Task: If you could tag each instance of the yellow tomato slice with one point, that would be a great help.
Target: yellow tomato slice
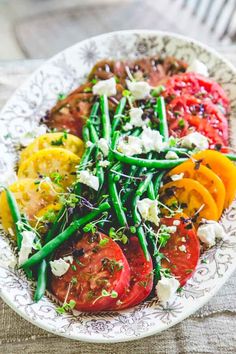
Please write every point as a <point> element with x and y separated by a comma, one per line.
<point>54,140</point>
<point>192,197</point>
<point>31,197</point>
<point>56,163</point>
<point>224,168</point>
<point>206,177</point>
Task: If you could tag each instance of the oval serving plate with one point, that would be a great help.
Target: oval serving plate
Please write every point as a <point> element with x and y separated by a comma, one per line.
<point>22,114</point>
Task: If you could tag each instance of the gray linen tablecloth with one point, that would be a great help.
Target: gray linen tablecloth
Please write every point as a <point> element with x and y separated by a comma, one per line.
<point>211,330</point>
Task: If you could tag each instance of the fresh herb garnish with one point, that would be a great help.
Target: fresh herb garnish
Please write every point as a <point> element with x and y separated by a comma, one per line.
<point>66,307</point>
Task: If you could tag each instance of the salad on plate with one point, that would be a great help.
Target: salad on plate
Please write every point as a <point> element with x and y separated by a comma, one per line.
<point>123,186</point>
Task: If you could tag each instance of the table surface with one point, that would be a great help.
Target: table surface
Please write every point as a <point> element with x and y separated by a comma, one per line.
<point>211,330</point>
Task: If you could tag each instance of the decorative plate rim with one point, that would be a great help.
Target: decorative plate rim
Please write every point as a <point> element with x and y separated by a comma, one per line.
<point>225,277</point>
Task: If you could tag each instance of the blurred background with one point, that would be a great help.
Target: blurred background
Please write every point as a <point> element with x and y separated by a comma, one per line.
<point>40,28</point>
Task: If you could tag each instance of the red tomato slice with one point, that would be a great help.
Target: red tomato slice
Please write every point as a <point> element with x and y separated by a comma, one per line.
<point>186,114</point>
<point>141,276</point>
<point>99,265</point>
<point>199,86</point>
<point>181,262</point>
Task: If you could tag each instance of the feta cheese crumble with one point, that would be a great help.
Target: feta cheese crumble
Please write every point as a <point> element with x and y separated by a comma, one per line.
<point>195,140</point>
<point>171,155</point>
<point>149,210</point>
<point>136,117</point>
<point>139,89</point>
<point>59,266</point>
<point>105,87</point>
<point>131,146</point>
<point>166,289</point>
<point>182,248</point>
<point>103,146</point>
<point>89,179</point>
<point>27,243</point>
<point>151,140</point>
<point>198,67</point>
<point>177,177</point>
<point>176,222</point>
<point>104,163</point>
<point>88,144</point>
<point>210,231</point>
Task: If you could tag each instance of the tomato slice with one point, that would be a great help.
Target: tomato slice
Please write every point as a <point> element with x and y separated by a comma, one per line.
<point>186,114</point>
<point>192,197</point>
<point>199,86</point>
<point>98,265</point>
<point>224,168</point>
<point>181,261</point>
<point>141,276</point>
<point>205,176</point>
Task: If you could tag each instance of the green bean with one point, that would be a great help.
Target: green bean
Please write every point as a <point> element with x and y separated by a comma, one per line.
<point>94,112</point>
<point>52,245</point>
<point>178,151</point>
<point>144,185</point>
<point>231,157</point>
<point>161,111</point>
<point>157,182</point>
<point>106,124</point>
<point>116,200</point>
<point>85,134</point>
<point>16,216</point>
<point>139,229</point>
<point>93,133</point>
<point>118,114</point>
<point>156,259</point>
<point>83,163</point>
<point>151,191</point>
<point>41,281</point>
<point>161,164</point>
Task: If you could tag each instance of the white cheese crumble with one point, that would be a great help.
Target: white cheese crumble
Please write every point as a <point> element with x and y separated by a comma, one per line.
<point>104,163</point>
<point>136,117</point>
<point>171,155</point>
<point>182,248</point>
<point>105,87</point>
<point>89,179</point>
<point>199,67</point>
<point>177,177</point>
<point>210,231</point>
<point>195,140</point>
<point>149,210</point>
<point>151,139</point>
<point>29,137</point>
<point>59,267</point>
<point>176,222</point>
<point>68,259</point>
<point>27,243</point>
<point>131,146</point>
<point>103,146</point>
<point>183,239</point>
<point>139,89</point>
<point>166,289</point>
<point>88,144</point>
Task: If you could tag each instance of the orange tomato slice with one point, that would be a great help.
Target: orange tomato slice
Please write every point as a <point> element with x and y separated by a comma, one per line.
<point>192,197</point>
<point>224,168</point>
<point>206,177</point>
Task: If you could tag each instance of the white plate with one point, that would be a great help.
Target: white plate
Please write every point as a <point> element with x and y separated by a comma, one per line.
<point>21,114</point>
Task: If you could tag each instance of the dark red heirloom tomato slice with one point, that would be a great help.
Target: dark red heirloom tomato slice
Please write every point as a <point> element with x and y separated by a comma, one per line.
<point>182,249</point>
<point>199,86</point>
<point>141,276</point>
<point>186,114</point>
<point>98,276</point>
